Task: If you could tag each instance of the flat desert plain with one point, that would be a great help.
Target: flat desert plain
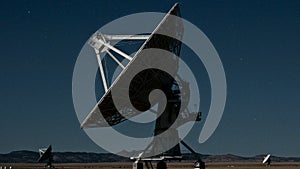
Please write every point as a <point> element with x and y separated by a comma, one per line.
<point>183,165</point>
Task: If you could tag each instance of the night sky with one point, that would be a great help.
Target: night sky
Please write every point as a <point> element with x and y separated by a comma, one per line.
<point>257,41</point>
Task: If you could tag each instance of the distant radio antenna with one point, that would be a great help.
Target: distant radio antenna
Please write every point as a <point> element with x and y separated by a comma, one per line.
<point>267,160</point>
<point>46,154</point>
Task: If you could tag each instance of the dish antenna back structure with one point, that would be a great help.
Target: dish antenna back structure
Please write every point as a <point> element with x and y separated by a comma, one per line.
<point>106,114</point>
<point>46,155</point>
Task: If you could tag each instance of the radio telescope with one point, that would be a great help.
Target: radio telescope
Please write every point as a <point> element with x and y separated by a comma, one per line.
<point>46,154</point>
<point>267,160</point>
<point>108,112</point>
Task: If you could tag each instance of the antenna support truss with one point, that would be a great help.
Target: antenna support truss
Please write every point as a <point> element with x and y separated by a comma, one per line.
<point>101,43</point>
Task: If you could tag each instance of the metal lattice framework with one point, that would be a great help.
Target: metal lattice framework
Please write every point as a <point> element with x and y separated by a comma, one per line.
<point>101,43</point>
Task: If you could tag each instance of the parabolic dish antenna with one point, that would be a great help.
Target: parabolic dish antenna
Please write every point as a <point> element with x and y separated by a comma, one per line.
<point>106,113</point>
<point>151,71</point>
<point>46,154</point>
<point>266,159</point>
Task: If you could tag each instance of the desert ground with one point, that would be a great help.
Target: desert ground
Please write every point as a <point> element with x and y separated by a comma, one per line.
<point>170,166</point>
